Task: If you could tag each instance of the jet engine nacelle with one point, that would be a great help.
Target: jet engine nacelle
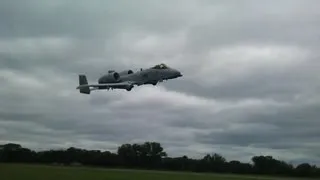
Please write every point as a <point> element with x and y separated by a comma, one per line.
<point>126,72</point>
<point>111,77</point>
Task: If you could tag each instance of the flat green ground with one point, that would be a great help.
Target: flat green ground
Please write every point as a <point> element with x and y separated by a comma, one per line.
<point>37,172</point>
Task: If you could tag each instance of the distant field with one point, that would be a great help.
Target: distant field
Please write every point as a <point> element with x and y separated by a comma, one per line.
<point>37,172</point>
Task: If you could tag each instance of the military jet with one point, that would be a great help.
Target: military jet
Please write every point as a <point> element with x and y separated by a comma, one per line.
<point>128,79</point>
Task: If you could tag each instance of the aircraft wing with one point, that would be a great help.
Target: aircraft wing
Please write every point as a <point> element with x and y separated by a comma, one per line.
<point>86,88</point>
<point>108,85</point>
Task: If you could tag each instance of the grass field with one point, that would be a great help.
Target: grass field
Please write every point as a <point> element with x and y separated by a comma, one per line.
<point>37,172</point>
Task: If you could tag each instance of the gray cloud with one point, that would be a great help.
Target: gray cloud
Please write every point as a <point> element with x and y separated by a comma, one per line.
<point>250,83</point>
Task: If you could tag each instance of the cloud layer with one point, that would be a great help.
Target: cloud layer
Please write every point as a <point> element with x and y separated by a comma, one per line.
<point>250,83</point>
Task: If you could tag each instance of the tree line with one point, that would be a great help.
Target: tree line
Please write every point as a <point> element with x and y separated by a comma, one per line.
<point>151,155</point>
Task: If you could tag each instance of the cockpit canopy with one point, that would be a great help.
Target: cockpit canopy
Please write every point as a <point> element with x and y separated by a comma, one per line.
<point>160,66</point>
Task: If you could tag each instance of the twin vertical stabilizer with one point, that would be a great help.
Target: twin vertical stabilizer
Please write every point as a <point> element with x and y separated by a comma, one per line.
<point>83,84</point>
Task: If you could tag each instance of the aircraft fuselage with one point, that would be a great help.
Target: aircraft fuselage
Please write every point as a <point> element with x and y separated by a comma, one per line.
<point>127,79</point>
<point>147,76</point>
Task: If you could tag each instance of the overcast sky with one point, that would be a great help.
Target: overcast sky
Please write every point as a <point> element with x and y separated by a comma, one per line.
<point>250,85</point>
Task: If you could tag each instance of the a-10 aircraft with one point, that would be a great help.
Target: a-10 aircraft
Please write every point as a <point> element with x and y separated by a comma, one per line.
<point>128,79</point>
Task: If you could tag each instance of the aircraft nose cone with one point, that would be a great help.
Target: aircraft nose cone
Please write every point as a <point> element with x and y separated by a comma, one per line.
<point>178,74</point>
<point>174,74</point>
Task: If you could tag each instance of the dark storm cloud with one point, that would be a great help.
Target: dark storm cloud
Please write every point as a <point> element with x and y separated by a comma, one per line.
<point>289,129</point>
<point>83,19</point>
<point>250,83</point>
<point>279,85</point>
<point>267,22</point>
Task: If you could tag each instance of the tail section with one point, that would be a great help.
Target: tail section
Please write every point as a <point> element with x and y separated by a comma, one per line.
<point>83,84</point>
